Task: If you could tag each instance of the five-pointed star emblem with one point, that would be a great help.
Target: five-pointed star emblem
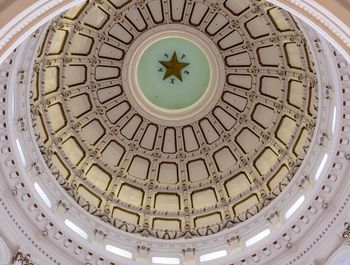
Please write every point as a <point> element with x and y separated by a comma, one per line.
<point>173,67</point>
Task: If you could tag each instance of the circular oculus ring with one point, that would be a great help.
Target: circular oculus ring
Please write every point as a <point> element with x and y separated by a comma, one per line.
<point>173,74</point>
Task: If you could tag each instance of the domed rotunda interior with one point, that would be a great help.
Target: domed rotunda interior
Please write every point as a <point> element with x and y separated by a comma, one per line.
<point>175,132</point>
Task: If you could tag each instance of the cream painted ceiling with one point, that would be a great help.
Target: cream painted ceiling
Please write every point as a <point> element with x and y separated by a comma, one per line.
<point>180,181</point>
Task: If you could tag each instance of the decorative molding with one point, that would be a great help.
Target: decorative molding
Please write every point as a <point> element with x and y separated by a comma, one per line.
<point>28,20</point>
<point>318,16</point>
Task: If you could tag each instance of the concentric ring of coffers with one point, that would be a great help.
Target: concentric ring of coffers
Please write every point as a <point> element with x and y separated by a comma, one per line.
<point>174,181</point>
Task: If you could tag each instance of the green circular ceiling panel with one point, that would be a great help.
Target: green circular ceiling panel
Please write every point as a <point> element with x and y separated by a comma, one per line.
<point>173,73</point>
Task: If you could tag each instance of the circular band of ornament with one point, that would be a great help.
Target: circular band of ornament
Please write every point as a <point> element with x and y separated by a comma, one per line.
<point>192,112</point>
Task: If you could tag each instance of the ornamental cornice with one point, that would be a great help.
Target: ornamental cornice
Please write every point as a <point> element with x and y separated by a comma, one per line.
<point>317,15</point>
<point>20,19</point>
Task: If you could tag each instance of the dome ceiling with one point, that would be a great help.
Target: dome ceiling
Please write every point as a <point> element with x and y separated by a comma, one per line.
<point>161,177</point>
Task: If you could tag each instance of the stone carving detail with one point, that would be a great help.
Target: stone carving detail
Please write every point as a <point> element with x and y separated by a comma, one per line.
<point>21,259</point>
<point>233,240</point>
<point>189,251</point>
<point>346,232</point>
<point>143,250</point>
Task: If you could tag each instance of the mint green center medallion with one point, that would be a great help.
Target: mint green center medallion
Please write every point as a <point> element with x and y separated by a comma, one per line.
<point>173,73</point>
